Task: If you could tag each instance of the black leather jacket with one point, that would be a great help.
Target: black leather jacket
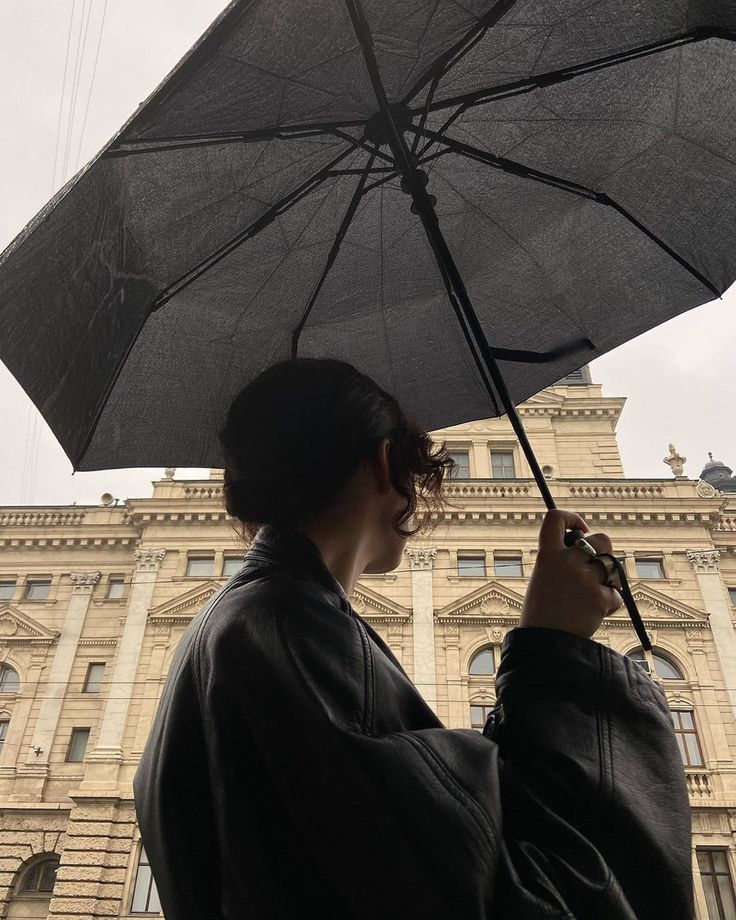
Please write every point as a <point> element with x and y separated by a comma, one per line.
<point>294,771</point>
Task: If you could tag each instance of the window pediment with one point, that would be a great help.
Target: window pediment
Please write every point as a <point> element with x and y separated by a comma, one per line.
<point>17,628</point>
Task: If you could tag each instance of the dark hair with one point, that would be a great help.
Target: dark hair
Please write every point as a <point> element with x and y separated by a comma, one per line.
<point>296,433</point>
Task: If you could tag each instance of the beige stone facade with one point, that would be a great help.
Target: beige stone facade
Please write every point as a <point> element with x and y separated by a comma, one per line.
<point>85,586</point>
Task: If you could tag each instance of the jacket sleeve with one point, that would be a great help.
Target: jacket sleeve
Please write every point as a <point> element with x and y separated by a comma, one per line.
<point>440,823</point>
<point>593,794</point>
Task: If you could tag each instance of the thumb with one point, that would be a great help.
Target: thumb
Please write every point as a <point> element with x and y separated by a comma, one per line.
<point>555,525</point>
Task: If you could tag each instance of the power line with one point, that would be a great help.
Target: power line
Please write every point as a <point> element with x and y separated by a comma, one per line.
<point>91,83</point>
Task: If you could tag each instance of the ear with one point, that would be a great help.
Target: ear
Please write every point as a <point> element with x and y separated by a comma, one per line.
<point>380,467</point>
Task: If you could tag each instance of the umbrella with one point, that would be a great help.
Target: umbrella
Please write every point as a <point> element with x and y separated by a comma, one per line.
<point>466,199</point>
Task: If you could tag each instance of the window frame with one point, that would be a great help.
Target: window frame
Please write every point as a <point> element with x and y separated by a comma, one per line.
<point>115,580</point>
<point>508,557</point>
<point>4,668</point>
<point>713,875</point>
<point>37,580</point>
<point>200,557</point>
<point>4,721</point>
<point>459,450</point>
<point>8,580</point>
<point>35,865</point>
<point>650,558</point>
<point>239,560</point>
<point>679,730</point>
<point>466,555</point>
<point>503,450</point>
<point>74,732</point>
<point>90,665</point>
<point>732,594</point>
<point>656,654</point>
<point>143,863</point>
<point>473,658</point>
<point>484,705</point>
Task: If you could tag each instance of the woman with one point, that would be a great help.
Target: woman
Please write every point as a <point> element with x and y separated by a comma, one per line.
<point>294,771</point>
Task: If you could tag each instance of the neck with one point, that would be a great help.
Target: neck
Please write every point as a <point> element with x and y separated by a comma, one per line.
<point>343,551</point>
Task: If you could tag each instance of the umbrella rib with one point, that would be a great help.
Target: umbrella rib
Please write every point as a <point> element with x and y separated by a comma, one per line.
<point>340,236</point>
<point>457,51</point>
<point>565,185</point>
<point>251,230</point>
<point>185,280</point>
<point>518,87</point>
<point>187,141</point>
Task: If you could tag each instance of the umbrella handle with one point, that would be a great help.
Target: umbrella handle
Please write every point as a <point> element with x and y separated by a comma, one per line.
<point>577,538</point>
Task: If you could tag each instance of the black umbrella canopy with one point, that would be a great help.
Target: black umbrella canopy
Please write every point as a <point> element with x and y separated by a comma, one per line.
<point>583,160</point>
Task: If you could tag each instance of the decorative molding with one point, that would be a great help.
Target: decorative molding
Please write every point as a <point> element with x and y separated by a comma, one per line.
<point>149,559</point>
<point>93,641</point>
<point>84,582</point>
<point>659,610</point>
<point>704,490</point>
<point>704,561</point>
<point>492,603</point>
<point>17,628</point>
<point>420,557</point>
<point>97,543</point>
<point>183,607</point>
<point>41,518</point>
<point>377,608</point>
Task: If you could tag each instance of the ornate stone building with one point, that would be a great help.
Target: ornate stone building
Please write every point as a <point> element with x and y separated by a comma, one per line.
<point>94,599</point>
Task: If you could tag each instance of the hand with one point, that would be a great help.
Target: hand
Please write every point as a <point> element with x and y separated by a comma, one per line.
<point>566,590</point>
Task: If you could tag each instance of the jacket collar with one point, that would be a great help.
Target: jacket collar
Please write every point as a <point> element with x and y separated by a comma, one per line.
<point>292,549</point>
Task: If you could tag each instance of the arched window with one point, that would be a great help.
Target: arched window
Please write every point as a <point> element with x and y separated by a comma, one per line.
<point>482,663</point>
<point>664,668</point>
<point>9,680</point>
<point>40,877</point>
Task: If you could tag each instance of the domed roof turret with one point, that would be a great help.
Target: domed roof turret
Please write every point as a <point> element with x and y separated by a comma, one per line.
<point>718,475</point>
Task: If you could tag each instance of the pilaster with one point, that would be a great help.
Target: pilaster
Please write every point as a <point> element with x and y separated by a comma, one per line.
<point>55,687</point>
<point>108,751</point>
<point>421,561</point>
<point>705,566</point>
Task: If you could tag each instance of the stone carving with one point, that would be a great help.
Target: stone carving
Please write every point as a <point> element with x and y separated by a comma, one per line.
<point>497,634</point>
<point>169,472</point>
<point>421,557</point>
<point>704,490</point>
<point>357,603</point>
<point>651,635</point>
<point>494,606</point>
<point>8,626</point>
<point>396,630</point>
<point>149,559</point>
<point>675,462</point>
<point>84,581</point>
<point>704,561</point>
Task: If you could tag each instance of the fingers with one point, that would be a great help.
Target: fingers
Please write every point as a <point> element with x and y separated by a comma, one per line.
<point>600,542</point>
<point>554,526</point>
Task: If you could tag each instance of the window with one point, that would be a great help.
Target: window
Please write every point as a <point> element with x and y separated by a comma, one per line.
<point>145,896</point>
<point>471,565</point>
<point>479,713</point>
<point>93,680</point>
<point>3,732</point>
<point>461,470</point>
<point>38,589</point>
<point>717,884</point>
<point>507,566</point>
<point>7,589</point>
<point>502,464</point>
<point>200,565</point>
<point>115,586</point>
<point>41,876</point>
<point>732,595</point>
<point>664,668</point>
<point>649,568</point>
<point>9,680</point>
<point>77,745</point>
<point>231,565</point>
<point>687,737</point>
<point>482,663</point>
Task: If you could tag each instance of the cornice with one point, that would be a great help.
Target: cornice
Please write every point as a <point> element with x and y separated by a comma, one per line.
<point>67,542</point>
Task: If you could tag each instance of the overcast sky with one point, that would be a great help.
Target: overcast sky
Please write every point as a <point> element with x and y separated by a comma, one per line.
<point>679,378</point>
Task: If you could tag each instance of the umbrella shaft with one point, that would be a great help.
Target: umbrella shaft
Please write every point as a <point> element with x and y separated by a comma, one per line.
<point>453,280</point>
